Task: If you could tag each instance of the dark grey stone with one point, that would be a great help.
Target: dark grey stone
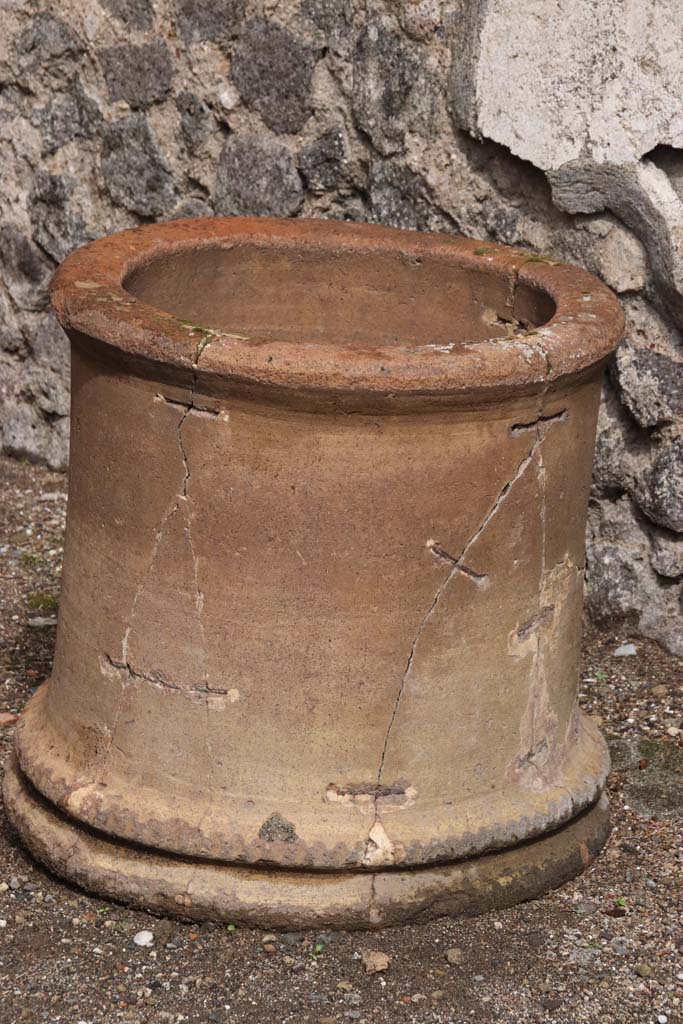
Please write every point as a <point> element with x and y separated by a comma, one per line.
<point>140,75</point>
<point>650,384</point>
<point>660,495</point>
<point>138,13</point>
<point>46,40</point>
<point>322,161</point>
<point>399,198</point>
<point>385,69</point>
<point>195,119</point>
<point>70,115</point>
<point>135,172</point>
<point>214,20</point>
<point>334,17</point>
<point>57,228</point>
<point>26,271</point>
<point>257,176</point>
<point>272,71</point>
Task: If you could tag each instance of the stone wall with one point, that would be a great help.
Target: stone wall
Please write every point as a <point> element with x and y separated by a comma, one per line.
<point>548,124</point>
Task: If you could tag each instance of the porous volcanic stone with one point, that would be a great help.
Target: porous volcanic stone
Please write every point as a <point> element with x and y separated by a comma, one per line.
<point>272,71</point>
<point>138,13</point>
<point>322,162</point>
<point>140,75</point>
<point>46,41</point>
<point>214,20</point>
<point>135,172</point>
<point>257,176</point>
<point>70,115</point>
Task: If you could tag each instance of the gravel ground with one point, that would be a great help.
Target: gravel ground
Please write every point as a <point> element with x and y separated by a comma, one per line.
<point>607,948</point>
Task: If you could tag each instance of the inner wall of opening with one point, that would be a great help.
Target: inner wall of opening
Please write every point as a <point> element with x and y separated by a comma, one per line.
<point>356,299</point>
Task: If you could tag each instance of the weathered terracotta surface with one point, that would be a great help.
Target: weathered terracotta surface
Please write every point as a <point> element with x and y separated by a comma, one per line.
<point>323,574</point>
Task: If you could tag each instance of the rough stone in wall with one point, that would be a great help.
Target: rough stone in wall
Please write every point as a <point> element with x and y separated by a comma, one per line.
<point>138,75</point>
<point>134,171</point>
<point>272,72</point>
<point>322,161</point>
<point>560,135</point>
<point>257,176</point>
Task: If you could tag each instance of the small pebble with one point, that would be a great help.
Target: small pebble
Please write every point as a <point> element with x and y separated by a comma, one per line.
<point>375,960</point>
<point>143,938</point>
<point>454,955</point>
<point>551,1003</point>
<point>625,651</point>
<point>163,932</point>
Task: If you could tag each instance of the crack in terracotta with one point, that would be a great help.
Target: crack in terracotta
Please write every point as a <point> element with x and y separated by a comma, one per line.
<point>194,409</point>
<point>481,579</point>
<point>157,679</point>
<point>540,421</point>
<point>124,663</point>
<point>541,426</point>
<point>531,638</point>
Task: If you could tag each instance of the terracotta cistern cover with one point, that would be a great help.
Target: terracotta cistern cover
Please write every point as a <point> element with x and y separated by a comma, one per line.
<point>317,653</point>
